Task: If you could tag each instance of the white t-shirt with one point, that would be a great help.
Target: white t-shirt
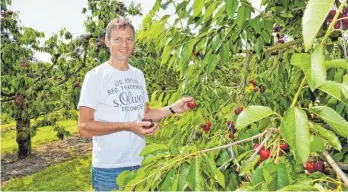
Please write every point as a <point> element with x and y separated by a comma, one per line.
<point>116,96</point>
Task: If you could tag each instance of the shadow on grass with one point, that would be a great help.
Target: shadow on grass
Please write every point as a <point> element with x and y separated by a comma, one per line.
<point>73,175</point>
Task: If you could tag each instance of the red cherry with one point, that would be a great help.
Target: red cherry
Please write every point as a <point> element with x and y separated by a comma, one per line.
<point>256,89</point>
<point>337,25</point>
<point>310,167</point>
<point>345,10</point>
<point>191,104</point>
<point>208,124</point>
<point>284,147</point>
<point>238,110</point>
<point>329,20</point>
<point>281,41</point>
<point>264,154</point>
<point>332,13</point>
<point>262,89</point>
<point>148,127</point>
<point>231,136</point>
<point>345,21</point>
<point>319,166</point>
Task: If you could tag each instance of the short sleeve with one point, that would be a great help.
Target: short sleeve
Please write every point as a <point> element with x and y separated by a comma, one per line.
<point>90,91</point>
<point>146,97</point>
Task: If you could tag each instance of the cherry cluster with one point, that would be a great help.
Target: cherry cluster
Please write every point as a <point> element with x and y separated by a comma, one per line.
<point>148,127</point>
<point>312,167</point>
<point>206,127</point>
<point>232,129</point>
<point>343,15</point>
<point>256,87</point>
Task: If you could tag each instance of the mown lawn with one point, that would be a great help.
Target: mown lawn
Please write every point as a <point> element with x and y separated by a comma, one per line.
<point>43,135</point>
<point>73,175</point>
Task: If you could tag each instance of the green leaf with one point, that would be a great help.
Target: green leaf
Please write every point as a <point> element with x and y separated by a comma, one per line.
<point>345,86</point>
<point>224,52</point>
<point>123,178</point>
<point>197,7</point>
<point>184,170</point>
<point>194,178</point>
<point>294,129</point>
<point>283,176</point>
<point>248,165</point>
<point>338,63</point>
<point>328,135</point>
<point>168,180</point>
<point>313,67</point>
<point>314,16</point>
<point>298,187</point>
<point>242,15</point>
<point>317,144</point>
<point>257,177</point>
<point>252,114</point>
<point>270,173</point>
<point>210,10</point>
<point>231,7</point>
<point>332,118</point>
<point>213,171</point>
<point>212,62</point>
<point>154,147</point>
<point>334,89</point>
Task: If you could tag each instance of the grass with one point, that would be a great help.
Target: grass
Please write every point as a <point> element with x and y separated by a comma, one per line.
<point>43,135</point>
<point>73,175</point>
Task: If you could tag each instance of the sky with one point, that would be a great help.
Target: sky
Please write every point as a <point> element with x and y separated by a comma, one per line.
<point>49,16</point>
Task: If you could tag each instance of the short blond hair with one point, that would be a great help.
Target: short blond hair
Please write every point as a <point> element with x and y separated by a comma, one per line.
<point>118,23</point>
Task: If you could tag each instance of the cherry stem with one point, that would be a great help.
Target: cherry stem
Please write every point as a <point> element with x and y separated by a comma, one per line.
<point>298,93</point>
<point>268,136</point>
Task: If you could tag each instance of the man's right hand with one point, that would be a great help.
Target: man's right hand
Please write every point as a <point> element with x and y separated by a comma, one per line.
<point>139,128</point>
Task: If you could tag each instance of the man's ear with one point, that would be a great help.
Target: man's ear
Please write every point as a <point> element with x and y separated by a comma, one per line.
<point>107,41</point>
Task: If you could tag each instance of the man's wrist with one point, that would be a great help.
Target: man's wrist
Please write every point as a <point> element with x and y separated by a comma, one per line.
<point>171,109</point>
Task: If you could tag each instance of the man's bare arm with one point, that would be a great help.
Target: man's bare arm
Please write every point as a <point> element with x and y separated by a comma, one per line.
<point>88,127</point>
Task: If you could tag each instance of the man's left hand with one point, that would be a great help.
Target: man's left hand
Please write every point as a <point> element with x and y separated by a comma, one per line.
<point>182,105</point>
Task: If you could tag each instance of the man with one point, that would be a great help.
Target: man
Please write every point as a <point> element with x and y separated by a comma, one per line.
<point>112,104</point>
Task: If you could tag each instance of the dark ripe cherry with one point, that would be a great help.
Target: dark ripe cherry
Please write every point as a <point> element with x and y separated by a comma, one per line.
<point>319,166</point>
<point>148,127</point>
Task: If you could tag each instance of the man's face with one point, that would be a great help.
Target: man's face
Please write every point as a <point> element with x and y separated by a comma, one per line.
<point>121,43</point>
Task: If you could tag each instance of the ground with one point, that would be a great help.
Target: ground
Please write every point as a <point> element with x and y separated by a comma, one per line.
<point>44,156</point>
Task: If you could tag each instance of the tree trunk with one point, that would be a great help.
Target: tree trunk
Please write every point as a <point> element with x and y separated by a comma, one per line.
<point>23,133</point>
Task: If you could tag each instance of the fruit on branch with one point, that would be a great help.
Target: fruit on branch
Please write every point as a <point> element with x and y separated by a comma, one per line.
<point>281,41</point>
<point>264,154</point>
<point>310,167</point>
<point>284,147</point>
<point>256,89</point>
<point>77,84</point>
<point>337,25</point>
<point>19,100</point>
<point>276,28</point>
<point>319,166</point>
<point>238,110</point>
<point>253,82</point>
<point>332,13</point>
<point>148,127</point>
<point>206,127</point>
<point>231,136</point>
<point>262,89</point>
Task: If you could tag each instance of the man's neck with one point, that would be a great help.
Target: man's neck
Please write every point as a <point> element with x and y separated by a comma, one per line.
<point>120,65</point>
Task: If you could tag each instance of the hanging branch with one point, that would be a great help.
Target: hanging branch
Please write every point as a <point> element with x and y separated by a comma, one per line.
<point>336,168</point>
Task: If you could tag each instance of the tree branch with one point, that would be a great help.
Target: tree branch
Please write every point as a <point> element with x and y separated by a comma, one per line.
<point>336,168</point>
